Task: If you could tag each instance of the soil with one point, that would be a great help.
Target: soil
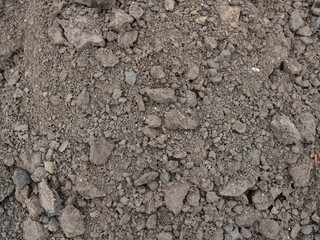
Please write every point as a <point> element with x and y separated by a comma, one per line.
<point>159,119</point>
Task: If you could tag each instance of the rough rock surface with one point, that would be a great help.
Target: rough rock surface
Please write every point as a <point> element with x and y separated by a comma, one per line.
<point>175,120</point>
<point>71,221</point>
<point>174,197</point>
<point>100,151</point>
<point>285,130</point>
<point>49,199</point>
<point>33,230</point>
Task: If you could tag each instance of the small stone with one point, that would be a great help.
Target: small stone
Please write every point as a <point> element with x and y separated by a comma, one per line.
<point>125,219</point>
<point>130,77</point>
<point>210,43</point>
<point>307,126</point>
<point>101,151</point>
<point>165,177</point>
<point>153,121</point>
<point>136,11</point>
<point>305,31</point>
<point>255,156</point>
<point>191,99</point>
<point>88,190</point>
<point>39,174</point>
<point>162,95</point>
<point>295,21</point>
<point>53,225</point>
<point>246,233</point>
<point>248,218</point>
<point>192,73</point>
<point>6,192</point>
<point>151,222</point>
<point>300,174</point>
<point>284,130</point>
<point>157,72</point>
<point>228,14</point>
<point>307,229</point>
<point>146,178</point>
<point>49,199</point>
<point>33,230</point>
<point>71,221</point>
<point>49,167</point>
<point>117,93</point>
<point>315,9</point>
<point>63,146</point>
<point>164,236</point>
<point>193,197</point>
<point>127,39</point>
<point>106,57</point>
<point>169,5</point>
<point>120,20</point>
<point>21,178</point>
<point>201,20</point>
<point>174,197</point>
<point>175,120</point>
<point>105,4</point>
<point>237,188</point>
<point>34,208</point>
<point>239,127</point>
<point>12,77</point>
<point>292,66</point>
<point>22,195</point>
<point>55,33</point>
<point>212,197</point>
<point>83,98</point>
<point>269,228</point>
<point>262,200</point>
<point>295,230</point>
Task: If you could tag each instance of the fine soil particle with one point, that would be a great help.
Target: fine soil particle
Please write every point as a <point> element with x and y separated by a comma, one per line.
<point>169,119</point>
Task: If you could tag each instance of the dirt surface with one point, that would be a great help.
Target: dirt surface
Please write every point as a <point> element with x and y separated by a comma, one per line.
<point>159,119</point>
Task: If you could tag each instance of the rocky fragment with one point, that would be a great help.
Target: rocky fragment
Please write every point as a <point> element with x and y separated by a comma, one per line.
<point>161,95</point>
<point>135,10</point>
<point>130,77</point>
<point>239,127</point>
<point>292,66</point>
<point>6,192</point>
<point>237,188</point>
<point>146,178</point>
<point>106,57</point>
<point>175,195</point>
<point>295,21</point>
<point>120,20</point>
<point>21,178</point>
<point>71,221</point>
<point>191,99</point>
<point>153,121</point>
<point>33,230</point>
<point>127,39</point>
<point>315,9</point>
<point>228,14</point>
<point>193,197</point>
<point>100,151</point>
<point>269,228</point>
<point>87,189</point>
<point>49,199</point>
<point>300,174</point>
<point>175,120</point>
<point>210,43</point>
<point>157,72</point>
<point>248,217</point>
<point>12,76</point>
<point>34,208</point>
<point>83,98</point>
<point>285,130</point>
<point>151,222</point>
<point>104,4</point>
<point>169,5</point>
<point>164,236</point>
<point>307,126</point>
<point>192,73</point>
<point>262,200</point>
<point>55,33</point>
<point>125,219</point>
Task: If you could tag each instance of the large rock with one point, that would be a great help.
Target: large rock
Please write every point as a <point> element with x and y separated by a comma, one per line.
<point>49,199</point>
<point>307,126</point>
<point>285,130</point>
<point>162,95</point>
<point>174,197</point>
<point>33,230</point>
<point>175,120</point>
<point>71,221</point>
<point>87,189</point>
<point>100,151</point>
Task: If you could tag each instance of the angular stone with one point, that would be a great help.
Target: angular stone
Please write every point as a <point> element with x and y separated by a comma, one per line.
<point>284,130</point>
<point>106,57</point>
<point>55,33</point>
<point>71,221</point>
<point>300,174</point>
<point>239,127</point>
<point>175,195</point>
<point>87,189</point>
<point>125,219</point>
<point>192,73</point>
<point>175,120</point>
<point>136,11</point>
<point>228,14</point>
<point>307,126</point>
<point>193,197</point>
<point>105,4</point>
<point>237,188</point>
<point>49,199</point>
<point>33,230</point>
<point>295,21</point>
<point>210,43</point>
<point>191,99</point>
<point>153,121</point>
<point>146,178</point>
<point>101,151</point>
<point>6,192</point>
<point>164,236</point>
<point>162,95</point>
<point>127,39</point>
<point>292,66</point>
<point>157,72</point>
<point>120,20</point>
<point>130,77</point>
<point>169,5</point>
<point>248,217</point>
<point>21,178</point>
<point>269,228</point>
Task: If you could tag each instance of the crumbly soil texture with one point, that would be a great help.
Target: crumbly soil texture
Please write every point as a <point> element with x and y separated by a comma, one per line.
<point>159,119</point>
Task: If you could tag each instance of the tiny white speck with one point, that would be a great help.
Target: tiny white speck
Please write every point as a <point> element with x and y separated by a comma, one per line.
<point>255,69</point>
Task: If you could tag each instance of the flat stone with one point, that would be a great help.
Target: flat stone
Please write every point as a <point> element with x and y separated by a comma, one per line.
<point>164,236</point>
<point>269,228</point>
<point>71,221</point>
<point>87,189</point>
<point>21,178</point>
<point>49,199</point>
<point>130,77</point>
<point>300,174</point>
<point>174,197</point>
<point>55,33</point>
<point>175,120</point>
<point>146,178</point>
<point>34,208</point>
<point>101,151</point>
<point>106,58</point>
<point>285,130</point>
<point>153,121</point>
<point>33,230</point>
<point>162,95</point>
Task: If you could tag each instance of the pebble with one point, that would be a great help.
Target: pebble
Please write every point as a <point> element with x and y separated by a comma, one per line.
<point>300,174</point>
<point>38,174</point>
<point>151,222</point>
<point>125,219</point>
<point>49,199</point>
<point>21,178</point>
<point>34,208</point>
<point>269,228</point>
<point>100,151</point>
<point>169,5</point>
<point>307,127</point>
<point>295,21</point>
<point>193,197</point>
<point>71,221</point>
<point>210,43</point>
<point>135,10</point>
<point>228,14</point>
<point>146,178</point>
<point>161,95</point>
<point>165,177</point>
<point>174,197</point>
<point>130,77</point>
<point>6,192</point>
<point>175,120</point>
<point>53,225</point>
<point>127,39</point>
<point>88,190</point>
<point>192,73</point>
<point>106,57</point>
<point>315,9</point>
<point>117,93</point>
<point>164,236</point>
<point>33,230</point>
<point>55,33</point>
<point>285,130</point>
<point>212,197</point>
<point>105,4</point>
<point>292,66</point>
<point>201,20</point>
<point>239,127</point>
<point>237,188</point>
<point>120,20</point>
<point>153,121</point>
<point>157,72</point>
<point>191,99</point>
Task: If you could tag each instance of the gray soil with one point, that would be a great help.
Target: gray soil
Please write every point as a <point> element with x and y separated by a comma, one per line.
<point>159,120</point>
